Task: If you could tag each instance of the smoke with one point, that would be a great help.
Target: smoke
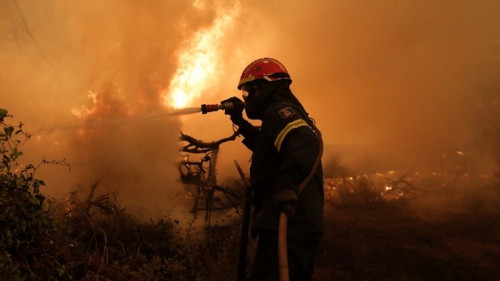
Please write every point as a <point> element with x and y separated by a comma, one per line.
<point>390,83</point>
<point>82,77</point>
<point>408,80</point>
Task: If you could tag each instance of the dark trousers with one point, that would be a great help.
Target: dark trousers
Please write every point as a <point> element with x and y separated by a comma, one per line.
<point>301,254</point>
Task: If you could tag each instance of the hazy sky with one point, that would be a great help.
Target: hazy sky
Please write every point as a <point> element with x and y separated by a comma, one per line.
<point>414,78</point>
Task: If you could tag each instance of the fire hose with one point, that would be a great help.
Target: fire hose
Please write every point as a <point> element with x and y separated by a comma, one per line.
<point>283,219</point>
<point>282,225</point>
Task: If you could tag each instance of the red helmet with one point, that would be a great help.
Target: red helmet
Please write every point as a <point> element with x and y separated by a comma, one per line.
<point>264,68</point>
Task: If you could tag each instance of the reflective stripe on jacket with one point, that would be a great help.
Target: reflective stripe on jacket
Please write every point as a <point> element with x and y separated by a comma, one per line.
<point>284,151</point>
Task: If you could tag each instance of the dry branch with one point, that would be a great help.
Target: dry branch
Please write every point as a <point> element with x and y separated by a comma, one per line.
<point>198,146</point>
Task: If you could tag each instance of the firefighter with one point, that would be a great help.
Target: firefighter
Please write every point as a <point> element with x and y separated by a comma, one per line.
<point>285,148</point>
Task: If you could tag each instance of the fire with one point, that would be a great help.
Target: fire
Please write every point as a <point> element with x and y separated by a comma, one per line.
<point>84,111</point>
<point>199,60</point>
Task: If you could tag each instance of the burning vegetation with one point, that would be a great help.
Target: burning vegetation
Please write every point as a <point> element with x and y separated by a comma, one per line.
<point>379,226</point>
<point>107,85</point>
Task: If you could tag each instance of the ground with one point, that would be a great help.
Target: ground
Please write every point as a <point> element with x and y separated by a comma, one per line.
<point>390,241</point>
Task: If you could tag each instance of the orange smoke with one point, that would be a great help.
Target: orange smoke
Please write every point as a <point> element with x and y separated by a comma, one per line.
<point>407,81</point>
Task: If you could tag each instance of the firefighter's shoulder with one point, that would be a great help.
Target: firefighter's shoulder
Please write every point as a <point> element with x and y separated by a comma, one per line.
<point>282,112</point>
<point>280,119</point>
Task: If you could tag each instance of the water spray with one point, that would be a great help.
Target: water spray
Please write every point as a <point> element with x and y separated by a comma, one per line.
<point>205,108</point>
<point>120,120</point>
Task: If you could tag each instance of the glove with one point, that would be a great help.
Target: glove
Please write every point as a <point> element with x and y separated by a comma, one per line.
<point>234,108</point>
<point>288,201</point>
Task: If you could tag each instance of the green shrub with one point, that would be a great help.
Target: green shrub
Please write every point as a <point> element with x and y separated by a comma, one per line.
<point>27,248</point>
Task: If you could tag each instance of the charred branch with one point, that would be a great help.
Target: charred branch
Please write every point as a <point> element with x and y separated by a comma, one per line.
<point>402,184</point>
<point>198,146</point>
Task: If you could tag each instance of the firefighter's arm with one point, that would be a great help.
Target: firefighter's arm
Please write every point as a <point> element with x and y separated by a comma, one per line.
<point>246,129</point>
<point>249,132</point>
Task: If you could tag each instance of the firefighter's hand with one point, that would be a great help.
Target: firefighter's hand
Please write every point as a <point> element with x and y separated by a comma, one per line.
<point>234,108</point>
<point>288,201</point>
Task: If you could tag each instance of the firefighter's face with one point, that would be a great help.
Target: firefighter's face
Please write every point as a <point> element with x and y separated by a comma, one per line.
<point>252,95</point>
<point>247,90</point>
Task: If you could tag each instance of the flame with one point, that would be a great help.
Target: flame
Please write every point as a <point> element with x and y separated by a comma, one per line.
<point>199,60</point>
<point>84,111</point>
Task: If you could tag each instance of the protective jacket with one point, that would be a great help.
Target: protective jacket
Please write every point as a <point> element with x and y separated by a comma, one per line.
<point>284,148</point>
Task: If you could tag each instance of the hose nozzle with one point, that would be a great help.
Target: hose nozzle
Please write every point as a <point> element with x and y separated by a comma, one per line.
<point>205,108</point>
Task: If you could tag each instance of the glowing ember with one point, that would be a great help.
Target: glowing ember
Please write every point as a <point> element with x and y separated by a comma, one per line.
<point>197,63</point>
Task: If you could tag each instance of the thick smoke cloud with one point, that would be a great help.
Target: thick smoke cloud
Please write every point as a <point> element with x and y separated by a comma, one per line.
<point>390,83</point>
<point>81,76</point>
<point>409,79</point>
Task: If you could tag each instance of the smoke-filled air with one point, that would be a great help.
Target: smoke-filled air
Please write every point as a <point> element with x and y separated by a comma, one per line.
<point>107,85</point>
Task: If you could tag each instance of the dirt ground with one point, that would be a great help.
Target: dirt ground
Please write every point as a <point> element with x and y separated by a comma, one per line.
<point>390,241</point>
